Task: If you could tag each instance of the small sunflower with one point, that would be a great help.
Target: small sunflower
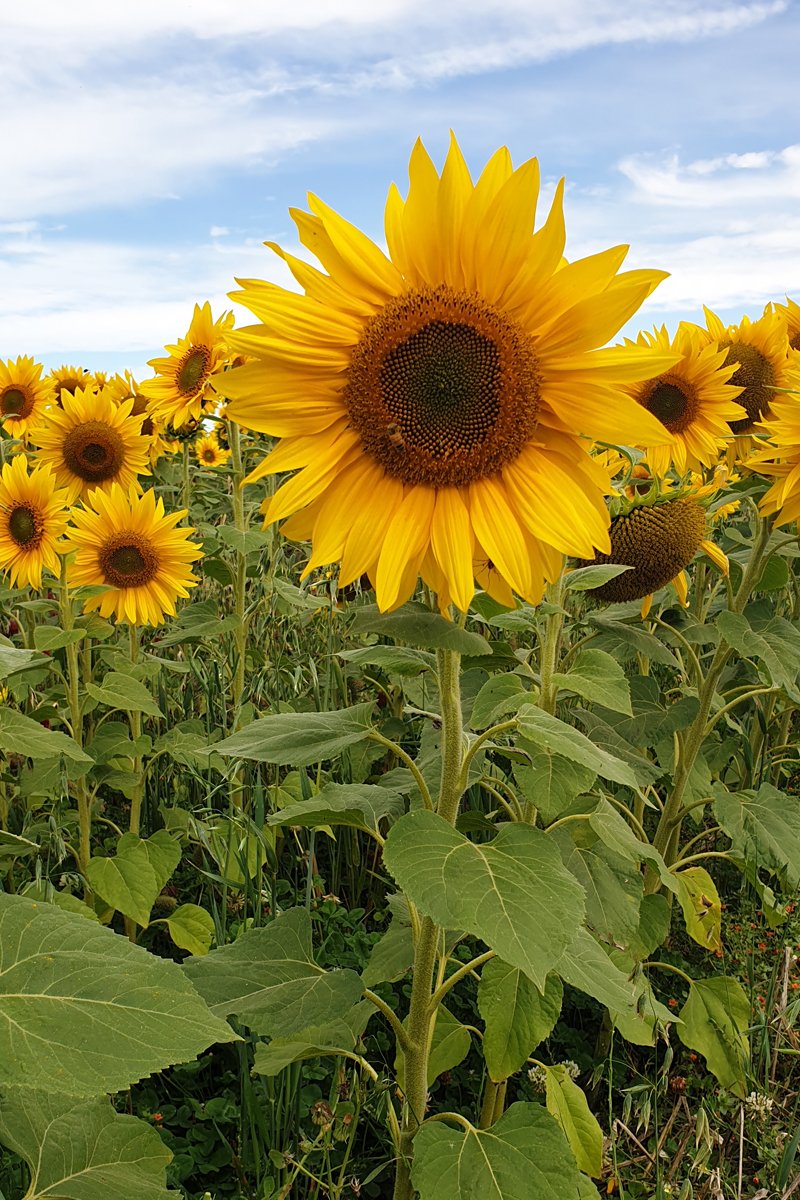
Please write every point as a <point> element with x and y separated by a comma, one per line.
<point>24,395</point>
<point>70,379</point>
<point>760,349</point>
<point>33,517</point>
<point>130,546</point>
<point>693,400</point>
<point>779,457</point>
<point>91,441</point>
<point>791,314</point>
<point>126,388</point>
<point>436,400</point>
<point>657,536</point>
<point>209,452</point>
<point>184,381</point>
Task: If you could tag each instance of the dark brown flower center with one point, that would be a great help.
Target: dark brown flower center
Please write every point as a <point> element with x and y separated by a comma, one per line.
<point>94,451</point>
<point>15,402</point>
<point>26,526</point>
<point>209,455</point>
<point>192,372</point>
<point>756,375</point>
<point>672,401</point>
<point>658,541</point>
<point>128,560</point>
<point>442,388</point>
<point>794,340</point>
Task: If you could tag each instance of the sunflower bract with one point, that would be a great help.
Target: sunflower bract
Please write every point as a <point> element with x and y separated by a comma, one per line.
<point>438,403</point>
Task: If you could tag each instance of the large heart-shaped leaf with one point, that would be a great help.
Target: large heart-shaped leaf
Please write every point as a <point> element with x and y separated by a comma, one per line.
<point>516,1014</point>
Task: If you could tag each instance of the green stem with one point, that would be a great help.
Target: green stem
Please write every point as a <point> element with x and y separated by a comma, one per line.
<point>240,575</point>
<point>186,487</point>
<point>550,646</point>
<point>135,721</point>
<point>76,723</point>
<point>421,1020</point>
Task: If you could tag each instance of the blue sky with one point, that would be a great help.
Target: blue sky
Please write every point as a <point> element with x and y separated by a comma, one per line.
<point>150,148</point>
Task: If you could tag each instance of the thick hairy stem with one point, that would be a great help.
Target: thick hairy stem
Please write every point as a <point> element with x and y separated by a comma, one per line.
<point>421,1017</point>
<point>76,722</point>
<point>551,643</point>
<point>240,576</point>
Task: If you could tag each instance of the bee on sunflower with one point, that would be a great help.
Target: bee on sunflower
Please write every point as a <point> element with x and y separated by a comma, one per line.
<point>438,403</point>
<point>184,381</point>
<point>24,395</point>
<point>657,533</point>
<point>128,545</point>
<point>33,516</point>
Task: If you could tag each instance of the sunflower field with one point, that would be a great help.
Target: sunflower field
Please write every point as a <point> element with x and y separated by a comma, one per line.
<point>400,773</point>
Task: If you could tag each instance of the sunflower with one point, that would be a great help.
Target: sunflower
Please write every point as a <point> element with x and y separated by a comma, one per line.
<point>693,400</point>
<point>69,379</point>
<point>209,452</point>
<point>434,400</point>
<point>24,395</point>
<point>91,441</point>
<point>657,536</point>
<point>130,546</point>
<point>126,388</point>
<point>760,349</point>
<point>780,457</point>
<point>33,517</point>
<point>185,380</point>
<point>791,314</point>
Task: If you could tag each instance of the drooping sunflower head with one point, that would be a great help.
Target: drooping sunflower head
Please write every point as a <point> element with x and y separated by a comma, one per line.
<point>70,379</point>
<point>24,395</point>
<point>33,517</point>
<point>693,400</point>
<point>93,441</point>
<point>131,547</point>
<point>184,381</point>
<point>209,452</point>
<point>439,402</point>
<point>759,349</point>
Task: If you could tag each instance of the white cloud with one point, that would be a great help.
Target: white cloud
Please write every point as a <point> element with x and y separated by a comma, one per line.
<point>764,177</point>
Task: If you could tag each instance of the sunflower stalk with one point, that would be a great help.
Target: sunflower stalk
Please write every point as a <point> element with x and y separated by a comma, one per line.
<point>240,575</point>
<point>421,1019</point>
<point>550,645</point>
<point>67,615</point>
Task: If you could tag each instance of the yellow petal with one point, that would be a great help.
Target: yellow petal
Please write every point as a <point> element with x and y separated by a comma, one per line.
<point>405,544</point>
<point>497,529</point>
<point>452,543</point>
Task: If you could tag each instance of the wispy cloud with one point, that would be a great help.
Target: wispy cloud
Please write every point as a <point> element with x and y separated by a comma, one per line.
<point>766,177</point>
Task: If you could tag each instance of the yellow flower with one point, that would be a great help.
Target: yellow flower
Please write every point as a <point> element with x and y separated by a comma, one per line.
<point>32,519</point>
<point>130,546</point>
<point>780,457</point>
<point>209,452</point>
<point>126,388</point>
<point>791,314</point>
<point>760,349</point>
<point>91,441</point>
<point>185,380</point>
<point>434,401</point>
<point>24,395</point>
<point>693,400</point>
<point>69,379</point>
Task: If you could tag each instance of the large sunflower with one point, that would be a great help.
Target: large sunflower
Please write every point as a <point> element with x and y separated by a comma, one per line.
<point>693,400</point>
<point>92,441</point>
<point>760,349</point>
<point>184,381</point>
<point>433,400</point>
<point>130,546</point>
<point>32,519</point>
<point>24,395</point>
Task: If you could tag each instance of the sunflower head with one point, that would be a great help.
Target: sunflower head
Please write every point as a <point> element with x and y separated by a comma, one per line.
<point>791,314</point>
<point>439,402</point>
<point>70,379</point>
<point>209,452</point>
<point>32,519</point>
<point>24,395</point>
<point>130,547</point>
<point>759,350</point>
<point>184,381</point>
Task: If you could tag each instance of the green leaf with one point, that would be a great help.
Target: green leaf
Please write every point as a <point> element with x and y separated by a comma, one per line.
<point>243,541</point>
<point>567,1103</point>
<point>598,678</point>
<point>499,696</point>
<point>12,660</point>
<point>514,892</point>
<point>614,830</point>
<point>450,1045</point>
<point>194,622</point>
<point>585,579</point>
<point>337,1037</point>
<point>121,1015</point>
<point>775,575</point>
<point>50,637</point>
<point>21,735</point>
<point>523,1155</point>
<point>239,848</point>
<point>702,910</point>
<point>551,782</point>
<point>556,737</point>
<point>586,966</point>
<point>613,885</point>
<point>299,739</point>
<point>624,641</point>
<point>123,692</point>
<point>739,633</point>
<point>715,1018</point>
<point>517,1016</point>
<point>131,880</point>
<point>606,738</point>
<point>362,805</point>
<point>82,1149</point>
<point>268,979</point>
<point>391,957</point>
<point>765,827</point>
<point>191,928</point>
<point>416,625</point>
<point>394,660</point>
